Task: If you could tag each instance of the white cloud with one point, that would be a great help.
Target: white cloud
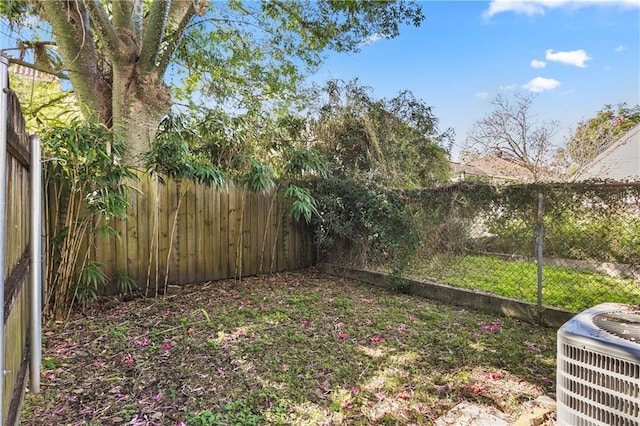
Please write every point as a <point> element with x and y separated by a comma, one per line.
<point>540,7</point>
<point>371,39</point>
<point>508,87</point>
<point>620,48</point>
<point>524,7</point>
<point>538,64</point>
<point>482,95</point>
<point>540,84</point>
<point>577,58</point>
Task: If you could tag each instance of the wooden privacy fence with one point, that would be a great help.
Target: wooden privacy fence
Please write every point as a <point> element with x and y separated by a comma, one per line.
<point>16,259</point>
<point>195,233</point>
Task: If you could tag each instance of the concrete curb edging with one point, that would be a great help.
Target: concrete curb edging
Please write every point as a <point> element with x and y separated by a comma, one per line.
<point>550,317</point>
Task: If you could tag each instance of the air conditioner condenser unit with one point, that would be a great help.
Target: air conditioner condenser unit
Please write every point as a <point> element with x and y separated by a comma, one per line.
<point>598,367</point>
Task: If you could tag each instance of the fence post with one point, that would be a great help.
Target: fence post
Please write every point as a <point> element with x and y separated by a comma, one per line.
<point>4,86</point>
<point>36,264</point>
<point>539,246</point>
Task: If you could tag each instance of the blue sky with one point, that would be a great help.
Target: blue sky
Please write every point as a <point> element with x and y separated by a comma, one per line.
<point>576,56</point>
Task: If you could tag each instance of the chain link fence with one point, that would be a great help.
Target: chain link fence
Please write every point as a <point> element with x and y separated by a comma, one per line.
<point>567,246</point>
<point>561,245</point>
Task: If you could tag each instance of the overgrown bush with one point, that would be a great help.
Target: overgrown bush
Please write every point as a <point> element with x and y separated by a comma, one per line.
<point>443,218</point>
<point>363,224</point>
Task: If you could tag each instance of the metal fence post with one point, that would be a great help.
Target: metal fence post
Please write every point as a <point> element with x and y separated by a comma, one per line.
<point>36,264</point>
<point>539,247</point>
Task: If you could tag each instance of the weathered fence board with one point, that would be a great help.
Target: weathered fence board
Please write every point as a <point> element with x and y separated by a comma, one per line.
<point>16,285</point>
<point>196,233</point>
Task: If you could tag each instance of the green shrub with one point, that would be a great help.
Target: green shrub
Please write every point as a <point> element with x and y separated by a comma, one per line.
<point>363,223</point>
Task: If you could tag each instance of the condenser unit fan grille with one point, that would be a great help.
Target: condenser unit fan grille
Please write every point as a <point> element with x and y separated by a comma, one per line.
<point>598,376</point>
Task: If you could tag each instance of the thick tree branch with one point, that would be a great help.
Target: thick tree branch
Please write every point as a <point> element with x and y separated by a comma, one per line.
<point>109,39</point>
<point>70,24</point>
<point>128,14</point>
<point>153,34</point>
<point>180,13</point>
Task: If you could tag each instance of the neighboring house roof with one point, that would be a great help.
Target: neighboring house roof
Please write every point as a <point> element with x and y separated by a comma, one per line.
<point>492,168</point>
<point>30,73</point>
<point>620,161</point>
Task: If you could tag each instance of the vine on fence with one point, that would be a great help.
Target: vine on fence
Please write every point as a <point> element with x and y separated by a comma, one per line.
<point>367,225</point>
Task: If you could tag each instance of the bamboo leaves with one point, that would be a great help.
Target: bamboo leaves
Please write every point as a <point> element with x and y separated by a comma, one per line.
<point>303,205</point>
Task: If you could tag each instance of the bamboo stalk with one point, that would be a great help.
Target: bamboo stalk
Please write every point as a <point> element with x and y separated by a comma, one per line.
<point>155,240</point>
<point>275,243</point>
<point>274,196</point>
<point>240,237</point>
<point>171,236</point>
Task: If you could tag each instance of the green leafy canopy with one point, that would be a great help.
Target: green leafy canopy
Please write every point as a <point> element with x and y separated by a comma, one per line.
<point>250,54</point>
<point>121,56</point>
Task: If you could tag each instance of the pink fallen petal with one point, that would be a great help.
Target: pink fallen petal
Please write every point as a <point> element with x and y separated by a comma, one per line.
<point>59,411</point>
<point>403,395</point>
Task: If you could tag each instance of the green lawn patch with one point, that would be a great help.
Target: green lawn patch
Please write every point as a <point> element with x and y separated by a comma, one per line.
<point>563,287</point>
<point>294,348</point>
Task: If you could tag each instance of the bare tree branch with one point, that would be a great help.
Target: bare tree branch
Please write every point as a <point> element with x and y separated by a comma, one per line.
<point>58,74</point>
<point>508,131</point>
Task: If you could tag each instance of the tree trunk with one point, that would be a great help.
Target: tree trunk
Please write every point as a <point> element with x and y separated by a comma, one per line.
<point>138,107</point>
<point>116,66</point>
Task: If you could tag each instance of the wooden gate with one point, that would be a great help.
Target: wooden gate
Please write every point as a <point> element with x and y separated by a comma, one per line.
<point>16,318</point>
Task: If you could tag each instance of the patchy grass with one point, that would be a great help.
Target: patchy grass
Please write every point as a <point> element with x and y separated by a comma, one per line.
<point>294,348</point>
<point>563,287</point>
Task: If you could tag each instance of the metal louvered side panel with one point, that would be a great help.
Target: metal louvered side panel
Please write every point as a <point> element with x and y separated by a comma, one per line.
<point>596,385</point>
